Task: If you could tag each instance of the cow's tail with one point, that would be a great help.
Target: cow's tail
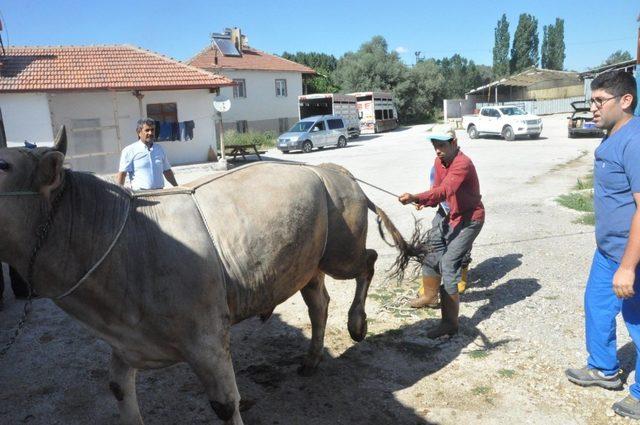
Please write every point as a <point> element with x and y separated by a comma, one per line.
<point>412,252</point>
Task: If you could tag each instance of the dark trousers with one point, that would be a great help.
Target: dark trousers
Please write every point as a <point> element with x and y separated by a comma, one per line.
<point>449,247</point>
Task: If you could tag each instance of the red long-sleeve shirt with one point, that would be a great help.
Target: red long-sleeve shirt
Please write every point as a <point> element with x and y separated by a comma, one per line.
<point>458,185</point>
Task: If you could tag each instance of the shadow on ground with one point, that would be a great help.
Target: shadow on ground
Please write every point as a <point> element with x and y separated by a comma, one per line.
<point>58,373</point>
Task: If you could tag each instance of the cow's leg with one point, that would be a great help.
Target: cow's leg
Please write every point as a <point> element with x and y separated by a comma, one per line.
<point>211,362</point>
<point>357,317</point>
<point>123,387</point>
<point>316,297</point>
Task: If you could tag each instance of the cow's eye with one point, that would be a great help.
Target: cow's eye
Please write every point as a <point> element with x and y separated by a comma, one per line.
<point>4,165</point>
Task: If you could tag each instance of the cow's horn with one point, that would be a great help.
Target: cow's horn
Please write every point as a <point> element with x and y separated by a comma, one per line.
<point>60,144</point>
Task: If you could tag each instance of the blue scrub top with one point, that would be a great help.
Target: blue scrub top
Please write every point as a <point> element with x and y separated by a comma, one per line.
<point>617,178</point>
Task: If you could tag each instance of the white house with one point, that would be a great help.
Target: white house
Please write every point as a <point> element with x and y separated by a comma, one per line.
<point>98,93</point>
<point>265,96</point>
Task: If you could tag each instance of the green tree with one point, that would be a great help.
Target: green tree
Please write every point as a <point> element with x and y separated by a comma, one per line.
<point>462,76</point>
<point>553,48</point>
<point>524,52</point>
<point>372,67</point>
<point>323,64</point>
<point>617,57</point>
<point>501,48</point>
<point>419,96</point>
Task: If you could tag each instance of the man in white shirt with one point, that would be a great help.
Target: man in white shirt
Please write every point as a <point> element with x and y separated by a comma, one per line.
<point>145,161</point>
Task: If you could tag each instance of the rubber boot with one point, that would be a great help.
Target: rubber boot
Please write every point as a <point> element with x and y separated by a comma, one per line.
<point>450,309</point>
<point>462,285</point>
<point>427,294</point>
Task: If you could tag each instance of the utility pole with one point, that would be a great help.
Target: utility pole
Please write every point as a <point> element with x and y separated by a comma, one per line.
<point>418,53</point>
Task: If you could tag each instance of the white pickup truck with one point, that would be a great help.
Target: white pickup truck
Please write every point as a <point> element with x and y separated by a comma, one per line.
<point>507,121</point>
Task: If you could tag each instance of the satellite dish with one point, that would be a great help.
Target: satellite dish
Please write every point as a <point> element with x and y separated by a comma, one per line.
<point>221,103</point>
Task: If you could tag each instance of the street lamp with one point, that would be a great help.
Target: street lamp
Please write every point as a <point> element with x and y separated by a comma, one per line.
<point>221,104</point>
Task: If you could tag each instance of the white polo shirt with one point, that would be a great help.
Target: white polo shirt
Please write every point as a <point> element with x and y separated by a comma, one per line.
<point>144,166</point>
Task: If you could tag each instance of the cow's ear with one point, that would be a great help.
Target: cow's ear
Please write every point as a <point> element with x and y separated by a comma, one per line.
<point>60,143</point>
<point>50,170</point>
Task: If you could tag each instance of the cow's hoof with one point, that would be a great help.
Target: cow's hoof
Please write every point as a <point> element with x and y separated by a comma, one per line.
<point>357,326</point>
<point>305,370</point>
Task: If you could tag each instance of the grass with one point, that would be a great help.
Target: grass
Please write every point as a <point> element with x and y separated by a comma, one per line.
<point>581,199</point>
<point>507,373</point>
<point>481,390</point>
<point>264,140</point>
<point>584,183</point>
<point>478,354</point>
<point>589,219</point>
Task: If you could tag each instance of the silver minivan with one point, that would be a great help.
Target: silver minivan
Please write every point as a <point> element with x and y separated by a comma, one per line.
<point>314,132</point>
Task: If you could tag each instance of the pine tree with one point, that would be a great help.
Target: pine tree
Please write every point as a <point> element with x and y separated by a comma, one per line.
<point>501,48</point>
<point>553,46</point>
<point>524,52</point>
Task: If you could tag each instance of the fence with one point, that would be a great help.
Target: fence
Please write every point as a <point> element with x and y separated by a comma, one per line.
<point>539,107</point>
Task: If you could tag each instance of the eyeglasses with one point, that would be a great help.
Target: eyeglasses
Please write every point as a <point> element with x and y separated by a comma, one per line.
<point>599,102</point>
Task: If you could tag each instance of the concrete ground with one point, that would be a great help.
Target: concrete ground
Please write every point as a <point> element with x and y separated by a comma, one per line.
<point>521,318</point>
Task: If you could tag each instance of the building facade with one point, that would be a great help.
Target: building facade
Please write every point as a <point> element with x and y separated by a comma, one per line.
<point>99,93</point>
<point>266,90</point>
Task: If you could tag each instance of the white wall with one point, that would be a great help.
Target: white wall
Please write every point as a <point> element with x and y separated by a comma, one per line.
<point>196,105</point>
<point>261,102</point>
<point>26,117</point>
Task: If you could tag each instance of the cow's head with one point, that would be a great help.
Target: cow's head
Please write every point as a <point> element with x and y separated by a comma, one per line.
<point>33,170</point>
<point>28,177</point>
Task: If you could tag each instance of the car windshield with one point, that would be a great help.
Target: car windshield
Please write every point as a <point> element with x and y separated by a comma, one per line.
<point>512,111</point>
<point>301,127</point>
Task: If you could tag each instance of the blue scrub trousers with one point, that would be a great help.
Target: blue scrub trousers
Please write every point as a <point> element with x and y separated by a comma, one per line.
<point>601,308</point>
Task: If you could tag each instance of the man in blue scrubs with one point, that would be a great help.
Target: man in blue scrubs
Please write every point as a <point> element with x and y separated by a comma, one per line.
<point>145,161</point>
<point>613,280</point>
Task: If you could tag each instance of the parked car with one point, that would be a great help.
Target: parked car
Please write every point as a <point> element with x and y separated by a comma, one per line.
<point>507,121</point>
<point>581,121</point>
<point>314,132</point>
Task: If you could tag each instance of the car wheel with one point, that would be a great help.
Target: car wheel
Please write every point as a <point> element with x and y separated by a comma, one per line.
<point>307,146</point>
<point>342,142</point>
<point>285,152</point>
<point>508,133</point>
<point>571,135</point>
<point>472,131</point>
<point>534,135</point>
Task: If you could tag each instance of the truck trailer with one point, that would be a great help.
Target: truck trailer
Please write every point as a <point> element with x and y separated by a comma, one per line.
<point>331,104</point>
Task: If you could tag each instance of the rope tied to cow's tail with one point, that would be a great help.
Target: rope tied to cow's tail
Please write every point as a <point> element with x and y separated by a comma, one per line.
<point>412,252</point>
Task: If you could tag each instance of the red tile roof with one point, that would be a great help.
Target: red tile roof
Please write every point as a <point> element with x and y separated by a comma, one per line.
<point>74,68</point>
<point>251,59</point>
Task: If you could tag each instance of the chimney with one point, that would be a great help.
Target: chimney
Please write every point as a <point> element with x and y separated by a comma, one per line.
<point>236,39</point>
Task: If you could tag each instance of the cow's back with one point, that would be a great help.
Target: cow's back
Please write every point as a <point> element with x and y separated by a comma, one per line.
<point>269,222</point>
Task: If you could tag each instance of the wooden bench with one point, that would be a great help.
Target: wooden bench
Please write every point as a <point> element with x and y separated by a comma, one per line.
<point>242,150</point>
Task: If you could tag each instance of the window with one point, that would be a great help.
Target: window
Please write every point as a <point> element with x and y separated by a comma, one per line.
<point>390,114</point>
<point>485,113</point>
<point>281,88</point>
<point>87,136</point>
<point>283,124</point>
<point>241,126</point>
<point>385,114</point>
<point>163,112</point>
<point>240,89</point>
<point>335,124</point>
<point>319,126</point>
<point>378,114</point>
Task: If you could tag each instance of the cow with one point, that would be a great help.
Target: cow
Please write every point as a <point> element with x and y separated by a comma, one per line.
<point>162,275</point>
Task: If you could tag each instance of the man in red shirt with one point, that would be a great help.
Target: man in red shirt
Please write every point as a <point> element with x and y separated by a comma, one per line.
<point>458,221</point>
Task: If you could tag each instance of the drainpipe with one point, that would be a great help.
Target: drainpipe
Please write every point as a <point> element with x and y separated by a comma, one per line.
<point>139,96</point>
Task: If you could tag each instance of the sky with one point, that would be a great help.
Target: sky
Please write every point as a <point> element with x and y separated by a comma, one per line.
<point>593,29</point>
